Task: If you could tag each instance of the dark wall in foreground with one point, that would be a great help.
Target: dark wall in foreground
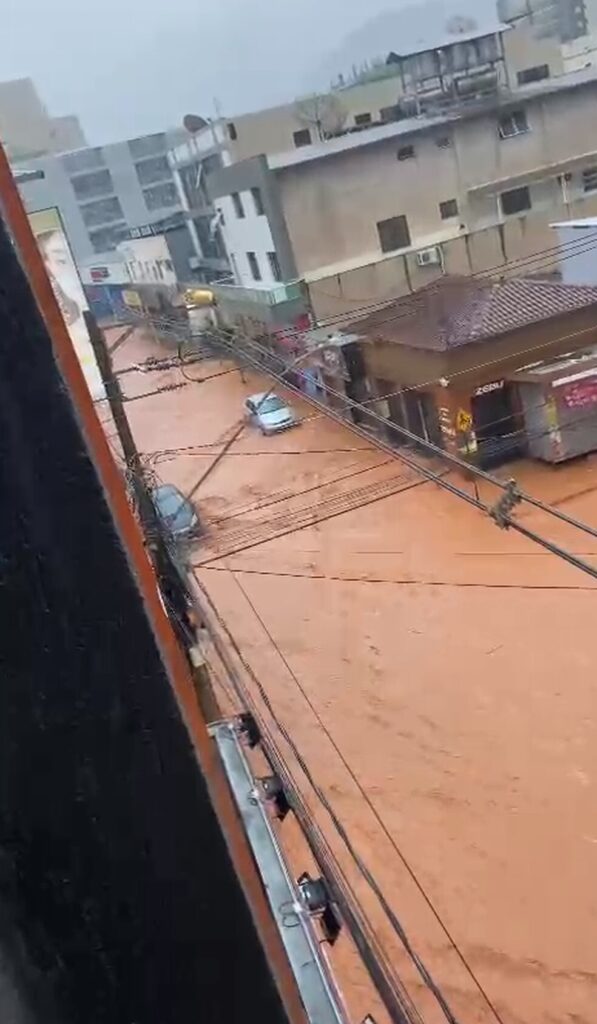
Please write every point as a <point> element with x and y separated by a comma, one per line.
<point>118,902</point>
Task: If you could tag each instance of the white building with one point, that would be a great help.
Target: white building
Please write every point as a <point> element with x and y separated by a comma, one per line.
<point>578,250</point>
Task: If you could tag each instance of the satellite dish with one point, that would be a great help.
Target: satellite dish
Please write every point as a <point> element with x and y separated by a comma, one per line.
<point>194,123</point>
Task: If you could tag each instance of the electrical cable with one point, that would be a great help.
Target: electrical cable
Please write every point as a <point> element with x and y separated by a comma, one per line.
<point>371,806</point>
<point>454,460</point>
<point>423,470</point>
<point>389,986</point>
<point>363,869</point>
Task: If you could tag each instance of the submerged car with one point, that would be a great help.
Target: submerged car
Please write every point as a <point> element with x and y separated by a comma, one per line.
<point>270,413</point>
<point>175,511</point>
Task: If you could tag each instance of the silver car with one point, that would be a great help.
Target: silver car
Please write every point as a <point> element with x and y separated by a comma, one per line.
<point>175,511</point>
<point>270,413</point>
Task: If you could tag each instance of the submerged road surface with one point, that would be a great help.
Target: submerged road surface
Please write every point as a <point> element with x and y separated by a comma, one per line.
<point>437,675</point>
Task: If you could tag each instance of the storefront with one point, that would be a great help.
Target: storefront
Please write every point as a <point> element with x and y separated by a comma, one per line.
<point>559,404</point>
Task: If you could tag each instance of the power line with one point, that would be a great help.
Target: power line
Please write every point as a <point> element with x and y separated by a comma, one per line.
<point>508,521</point>
<point>363,869</point>
<point>375,813</point>
<point>452,459</point>
<point>389,986</point>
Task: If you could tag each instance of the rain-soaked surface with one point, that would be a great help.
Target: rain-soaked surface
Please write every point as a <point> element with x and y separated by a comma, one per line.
<point>437,675</point>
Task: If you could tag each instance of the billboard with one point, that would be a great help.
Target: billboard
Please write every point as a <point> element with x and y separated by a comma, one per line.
<point>66,285</point>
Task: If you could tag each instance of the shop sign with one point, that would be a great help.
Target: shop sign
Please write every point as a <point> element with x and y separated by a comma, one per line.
<point>486,389</point>
<point>580,395</point>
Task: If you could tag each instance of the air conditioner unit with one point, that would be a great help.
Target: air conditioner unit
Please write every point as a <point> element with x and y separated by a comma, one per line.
<point>194,262</point>
<point>430,257</point>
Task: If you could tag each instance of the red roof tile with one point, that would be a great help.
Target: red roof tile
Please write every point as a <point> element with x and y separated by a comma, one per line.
<point>459,311</point>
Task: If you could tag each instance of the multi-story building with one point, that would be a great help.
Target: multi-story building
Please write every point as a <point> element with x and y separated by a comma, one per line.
<point>465,187</point>
<point>103,192</point>
<point>26,128</point>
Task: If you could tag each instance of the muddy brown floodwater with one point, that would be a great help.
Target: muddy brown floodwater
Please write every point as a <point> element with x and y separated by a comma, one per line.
<point>437,675</point>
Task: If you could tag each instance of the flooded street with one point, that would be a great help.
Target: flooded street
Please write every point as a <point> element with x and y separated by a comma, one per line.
<point>436,674</point>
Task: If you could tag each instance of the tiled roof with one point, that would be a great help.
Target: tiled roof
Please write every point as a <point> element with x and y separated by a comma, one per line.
<point>459,311</point>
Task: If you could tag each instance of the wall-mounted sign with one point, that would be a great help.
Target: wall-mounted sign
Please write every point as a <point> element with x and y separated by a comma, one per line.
<point>580,395</point>
<point>66,284</point>
<point>486,389</point>
<point>99,273</point>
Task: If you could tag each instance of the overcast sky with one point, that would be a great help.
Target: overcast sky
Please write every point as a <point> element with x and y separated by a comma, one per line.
<point>132,66</point>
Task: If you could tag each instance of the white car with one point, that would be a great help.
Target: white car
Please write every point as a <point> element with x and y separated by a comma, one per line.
<point>270,413</point>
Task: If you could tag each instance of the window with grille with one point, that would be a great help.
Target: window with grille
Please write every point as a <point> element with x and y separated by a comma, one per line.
<point>444,142</point>
<point>83,160</point>
<point>274,266</point>
<point>156,168</point>
<point>258,201</point>
<point>534,74</point>
<point>96,183</point>
<point>232,131</point>
<point>361,119</point>
<point>159,196</point>
<point>589,179</point>
<point>406,153</point>
<point>302,138</point>
<point>148,145</point>
<point>448,209</point>
<point>254,266</point>
<point>106,239</point>
<point>517,200</point>
<point>393,233</point>
<point>514,123</point>
<point>102,211</point>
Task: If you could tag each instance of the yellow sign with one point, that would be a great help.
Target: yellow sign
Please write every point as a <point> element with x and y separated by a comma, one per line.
<point>133,299</point>
<point>464,421</point>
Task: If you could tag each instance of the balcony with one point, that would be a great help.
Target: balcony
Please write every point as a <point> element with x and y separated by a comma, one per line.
<point>227,291</point>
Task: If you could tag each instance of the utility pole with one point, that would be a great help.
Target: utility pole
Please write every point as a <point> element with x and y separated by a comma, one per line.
<point>170,576</point>
<point>168,567</point>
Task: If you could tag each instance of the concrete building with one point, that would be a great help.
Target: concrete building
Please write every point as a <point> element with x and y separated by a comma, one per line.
<point>104,192</point>
<point>451,366</point>
<point>26,128</point>
<point>384,211</point>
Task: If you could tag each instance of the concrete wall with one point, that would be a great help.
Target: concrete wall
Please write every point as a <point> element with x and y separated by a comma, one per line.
<point>578,254</point>
<point>523,49</point>
<point>271,130</point>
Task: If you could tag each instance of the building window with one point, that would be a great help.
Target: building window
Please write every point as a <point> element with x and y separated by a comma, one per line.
<point>84,160</point>
<point>589,179</point>
<point>97,183</point>
<point>159,196</point>
<point>302,138</point>
<point>102,212</point>
<point>360,119</point>
<point>535,74</point>
<point>210,241</point>
<point>448,209</point>
<point>156,168</point>
<point>444,142</point>
<point>388,114</point>
<point>254,266</point>
<point>148,145</point>
<point>258,201</point>
<point>517,200</point>
<point>232,132</point>
<point>393,233</point>
<point>238,205</point>
<point>514,123</point>
<point>106,239</point>
<point>406,153</point>
<point>274,266</point>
